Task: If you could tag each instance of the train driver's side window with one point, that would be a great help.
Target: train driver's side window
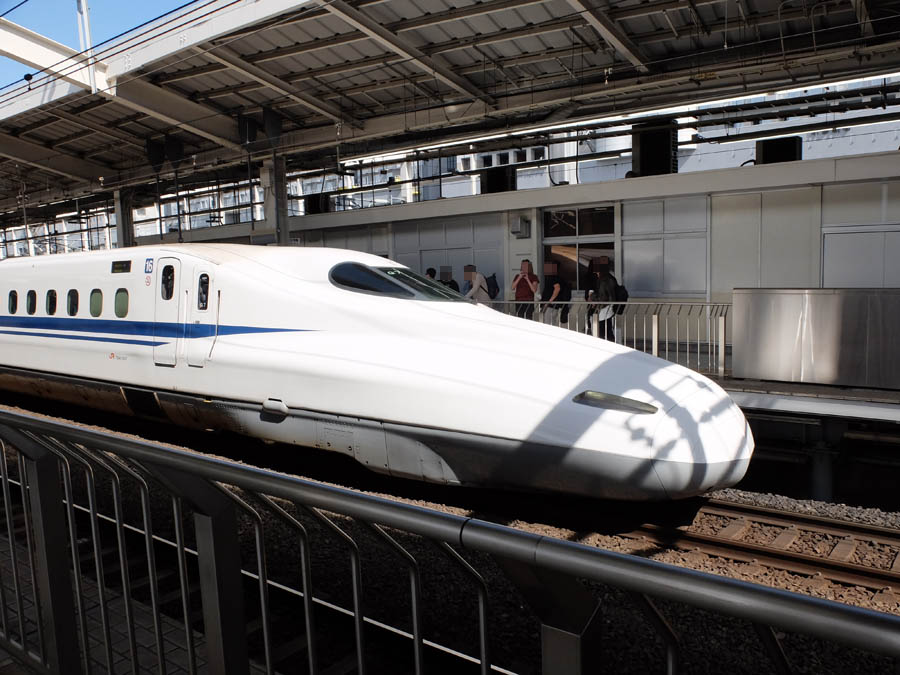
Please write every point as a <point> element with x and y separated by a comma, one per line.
<point>167,287</point>
<point>203,292</point>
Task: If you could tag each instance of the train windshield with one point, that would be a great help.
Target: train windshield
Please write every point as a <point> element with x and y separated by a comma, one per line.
<point>396,282</point>
<point>432,290</point>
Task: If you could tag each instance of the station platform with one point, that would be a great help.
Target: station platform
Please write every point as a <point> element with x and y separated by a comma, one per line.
<point>814,399</point>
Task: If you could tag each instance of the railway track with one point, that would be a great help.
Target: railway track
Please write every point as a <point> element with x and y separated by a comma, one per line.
<point>836,550</point>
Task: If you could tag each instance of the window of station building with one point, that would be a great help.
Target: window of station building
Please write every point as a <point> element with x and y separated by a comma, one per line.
<point>537,154</point>
<point>560,223</point>
<point>167,286</point>
<point>596,220</point>
<point>121,303</point>
<point>72,302</point>
<point>486,161</point>
<point>203,292</point>
<point>31,302</point>
<point>521,156</point>
<point>51,302</point>
<point>502,158</point>
<point>96,302</point>
<point>13,302</point>
<point>465,164</point>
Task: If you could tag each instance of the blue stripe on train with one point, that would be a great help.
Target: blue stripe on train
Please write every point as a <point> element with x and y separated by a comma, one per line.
<point>121,341</point>
<point>148,328</point>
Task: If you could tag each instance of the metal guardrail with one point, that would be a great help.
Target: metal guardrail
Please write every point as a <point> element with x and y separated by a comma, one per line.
<point>689,333</point>
<point>54,586</point>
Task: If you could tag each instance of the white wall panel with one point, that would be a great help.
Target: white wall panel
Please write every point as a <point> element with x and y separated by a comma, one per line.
<point>790,239</point>
<point>642,260</point>
<point>459,233</point>
<point>687,214</point>
<point>406,239</point>
<point>642,217</point>
<point>734,243</point>
<point>856,204</point>
<point>358,240</point>
<point>684,265</point>
<point>411,260</point>
<point>892,259</point>
<point>431,235</point>
<point>335,238</point>
<point>380,245</point>
<point>892,206</point>
<point>854,260</point>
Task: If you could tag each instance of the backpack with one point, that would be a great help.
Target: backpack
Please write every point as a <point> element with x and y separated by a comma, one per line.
<point>621,297</point>
<point>493,288</point>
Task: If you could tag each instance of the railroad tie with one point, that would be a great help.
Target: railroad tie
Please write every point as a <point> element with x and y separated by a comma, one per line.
<point>843,549</point>
<point>735,529</point>
<point>896,566</point>
<point>787,537</point>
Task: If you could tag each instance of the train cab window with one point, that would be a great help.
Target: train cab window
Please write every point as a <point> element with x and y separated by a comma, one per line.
<point>72,302</point>
<point>96,302</point>
<point>121,304</point>
<point>51,303</point>
<point>358,277</point>
<point>203,292</point>
<point>167,287</point>
<point>31,302</point>
<point>13,302</point>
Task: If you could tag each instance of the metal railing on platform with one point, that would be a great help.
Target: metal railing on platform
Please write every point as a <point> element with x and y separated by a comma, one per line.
<point>81,588</point>
<point>692,334</point>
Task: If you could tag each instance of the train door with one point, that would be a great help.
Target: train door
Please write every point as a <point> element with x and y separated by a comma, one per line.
<point>168,330</point>
<point>202,318</point>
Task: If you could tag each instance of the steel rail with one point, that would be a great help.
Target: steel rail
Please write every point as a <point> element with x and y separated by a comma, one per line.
<point>866,629</point>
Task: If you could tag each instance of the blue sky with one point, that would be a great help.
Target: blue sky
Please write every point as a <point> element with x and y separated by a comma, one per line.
<point>58,20</point>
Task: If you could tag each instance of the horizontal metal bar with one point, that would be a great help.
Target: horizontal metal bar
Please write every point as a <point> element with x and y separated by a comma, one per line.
<point>866,629</point>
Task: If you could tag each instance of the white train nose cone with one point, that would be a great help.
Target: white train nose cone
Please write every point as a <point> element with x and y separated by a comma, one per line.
<point>702,442</point>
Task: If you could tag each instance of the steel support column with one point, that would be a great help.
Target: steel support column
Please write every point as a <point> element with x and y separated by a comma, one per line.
<point>273,179</point>
<point>570,618</point>
<point>124,200</point>
<point>56,606</point>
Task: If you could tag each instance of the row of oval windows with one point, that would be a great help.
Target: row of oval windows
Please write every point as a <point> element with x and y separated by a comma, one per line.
<point>96,302</point>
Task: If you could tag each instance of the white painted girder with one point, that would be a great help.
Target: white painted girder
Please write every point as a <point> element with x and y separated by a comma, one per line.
<point>231,59</point>
<point>431,64</point>
<point>611,33</point>
<point>36,155</point>
<point>62,62</point>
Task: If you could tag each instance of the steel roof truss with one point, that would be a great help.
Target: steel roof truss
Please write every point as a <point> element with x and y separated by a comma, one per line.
<point>611,32</point>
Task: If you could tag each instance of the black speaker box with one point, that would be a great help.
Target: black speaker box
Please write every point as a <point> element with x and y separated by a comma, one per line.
<point>654,148</point>
<point>498,179</point>
<point>317,204</point>
<point>776,150</point>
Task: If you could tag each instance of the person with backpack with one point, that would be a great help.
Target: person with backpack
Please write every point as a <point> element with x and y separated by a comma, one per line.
<point>479,290</point>
<point>556,290</point>
<point>601,294</point>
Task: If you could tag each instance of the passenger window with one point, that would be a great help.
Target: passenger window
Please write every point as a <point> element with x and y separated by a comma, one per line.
<point>96,302</point>
<point>72,303</point>
<point>121,306</point>
<point>51,303</point>
<point>13,302</point>
<point>31,302</point>
<point>203,292</point>
<point>168,282</point>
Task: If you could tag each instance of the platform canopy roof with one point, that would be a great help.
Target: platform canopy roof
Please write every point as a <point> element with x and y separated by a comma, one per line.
<point>219,81</point>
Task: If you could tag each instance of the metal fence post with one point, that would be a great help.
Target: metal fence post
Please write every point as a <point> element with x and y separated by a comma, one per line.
<point>219,564</point>
<point>570,618</point>
<point>654,325</point>
<point>721,369</point>
<point>56,605</point>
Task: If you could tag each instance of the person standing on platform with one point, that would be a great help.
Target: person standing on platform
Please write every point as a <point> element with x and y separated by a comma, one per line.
<point>525,285</point>
<point>602,290</point>
<point>447,278</point>
<point>479,289</point>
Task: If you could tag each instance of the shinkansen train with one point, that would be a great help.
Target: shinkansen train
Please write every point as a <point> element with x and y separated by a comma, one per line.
<point>359,355</point>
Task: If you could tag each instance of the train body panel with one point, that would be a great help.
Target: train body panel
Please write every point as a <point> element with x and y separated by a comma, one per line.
<point>306,346</point>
